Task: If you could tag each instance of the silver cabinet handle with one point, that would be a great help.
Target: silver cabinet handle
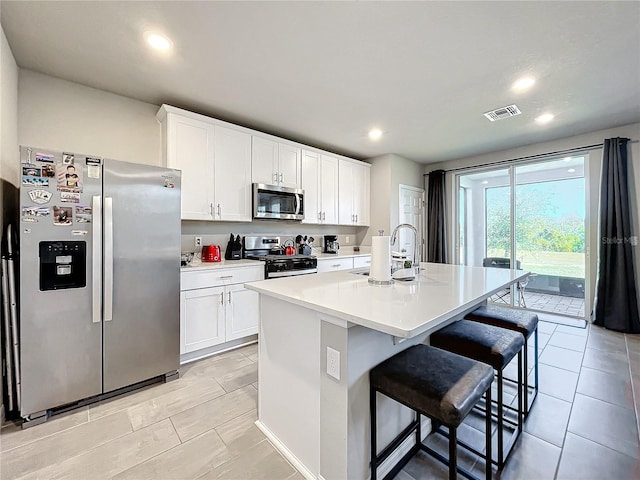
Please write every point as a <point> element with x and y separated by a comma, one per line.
<point>275,177</point>
<point>219,211</point>
<point>319,215</point>
<point>356,218</point>
<point>96,230</point>
<point>324,216</point>
<point>336,265</point>
<point>226,277</point>
<point>108,259</point>
<point>229,297</point>
<point>281,177</point>
<point>222,298</point>
<point>211,209</point>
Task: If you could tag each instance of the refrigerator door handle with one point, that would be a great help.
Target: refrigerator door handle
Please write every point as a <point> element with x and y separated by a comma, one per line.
<point>97,259</point>
<point>108,259</point>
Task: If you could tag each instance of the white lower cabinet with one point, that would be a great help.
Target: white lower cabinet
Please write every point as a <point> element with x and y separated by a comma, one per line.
<point>362,261</point>
<point>215,307</point>
<point>334,264</point>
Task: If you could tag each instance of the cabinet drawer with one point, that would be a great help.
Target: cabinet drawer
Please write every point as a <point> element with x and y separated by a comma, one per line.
<point>219,277</point>
<point>363,261</point>
<point>334,264</point>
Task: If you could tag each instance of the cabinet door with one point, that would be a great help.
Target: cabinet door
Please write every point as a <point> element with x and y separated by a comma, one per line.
<point>242,313</point>
<point>345,193</point>
<point>329,189</point>
<point>232,175</point>
<point>202,318</point>
<point>190,149</point>
<point>311,186</point>
<point>289,166</point>
<point>361,194</point>
<point>264,161</point>
<point>362,261</point>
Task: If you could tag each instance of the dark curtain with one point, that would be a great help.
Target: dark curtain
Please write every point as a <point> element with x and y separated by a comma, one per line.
<point>436,227</point>
<point>616,303</point>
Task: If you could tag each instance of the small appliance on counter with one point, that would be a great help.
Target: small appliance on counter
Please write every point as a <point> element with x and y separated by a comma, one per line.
<point>304,244</point>
<point>331,244</point>
<point>234,248</point>
<point>211,253</point>
<point>185,258</point>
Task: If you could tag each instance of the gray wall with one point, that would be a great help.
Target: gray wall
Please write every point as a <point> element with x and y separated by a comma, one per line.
<point>8,140</point>
<point>62,115</point>
<point>388,172</point>
<point>592,170</point>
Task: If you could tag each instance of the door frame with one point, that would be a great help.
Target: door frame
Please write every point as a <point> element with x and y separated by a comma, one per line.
<point>422,230</point>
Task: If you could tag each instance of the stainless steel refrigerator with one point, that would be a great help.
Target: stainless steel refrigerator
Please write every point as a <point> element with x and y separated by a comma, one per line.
<point>99,277</point>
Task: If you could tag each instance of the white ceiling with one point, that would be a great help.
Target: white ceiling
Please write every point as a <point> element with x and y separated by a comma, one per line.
<point>324,73</point>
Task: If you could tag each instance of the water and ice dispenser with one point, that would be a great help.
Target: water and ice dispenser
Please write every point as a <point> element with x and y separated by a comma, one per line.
<point>63,265</point>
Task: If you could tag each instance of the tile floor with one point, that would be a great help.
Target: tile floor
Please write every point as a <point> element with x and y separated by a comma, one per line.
<point>584,424</point>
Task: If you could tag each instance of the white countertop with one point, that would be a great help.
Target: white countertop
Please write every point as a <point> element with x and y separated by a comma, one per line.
<point>404,309</point>
<point>193,266</point>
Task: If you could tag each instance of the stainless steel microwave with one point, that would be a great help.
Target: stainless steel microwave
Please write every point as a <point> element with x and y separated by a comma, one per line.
<point>275,202</point>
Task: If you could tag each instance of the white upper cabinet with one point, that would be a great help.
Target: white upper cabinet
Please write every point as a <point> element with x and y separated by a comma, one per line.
<point>216,167</point>
<point>232,175</point>
<point>354,193</point>
<point>320,184</point>
<point>274,163</point>
<point>189,147</point>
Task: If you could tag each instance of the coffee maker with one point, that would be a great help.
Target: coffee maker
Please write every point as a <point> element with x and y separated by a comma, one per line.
<point>331,244</point>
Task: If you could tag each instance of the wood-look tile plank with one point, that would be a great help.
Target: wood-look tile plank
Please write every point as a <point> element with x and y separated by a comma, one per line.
<point>13,436</point>
<point>239,378</point>
<point>116,404</point>
<point>241,433</point>
<point>114,457</point>
<point>260,462</point>
<point>64,445</point>
<point>205,416</point>
<point>216,366</point>
<point>172,403</point>
<point>187,461</point>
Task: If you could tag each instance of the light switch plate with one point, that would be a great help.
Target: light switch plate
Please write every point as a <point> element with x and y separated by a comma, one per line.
<point>333,363</point>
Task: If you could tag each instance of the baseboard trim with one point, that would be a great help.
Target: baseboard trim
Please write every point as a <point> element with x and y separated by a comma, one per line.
<point>286,453</point>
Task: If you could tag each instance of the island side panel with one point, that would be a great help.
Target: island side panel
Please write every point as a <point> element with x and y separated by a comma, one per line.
<point>366,349</point>
<point>288,376</point>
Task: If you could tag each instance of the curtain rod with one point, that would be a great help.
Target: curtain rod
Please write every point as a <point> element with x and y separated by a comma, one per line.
<point>531,157</point>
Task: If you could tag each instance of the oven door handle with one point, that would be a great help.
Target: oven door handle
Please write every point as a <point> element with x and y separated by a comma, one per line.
<point>291,273</point>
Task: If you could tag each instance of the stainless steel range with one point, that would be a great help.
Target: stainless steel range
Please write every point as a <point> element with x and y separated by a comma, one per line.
<point>276,263</point>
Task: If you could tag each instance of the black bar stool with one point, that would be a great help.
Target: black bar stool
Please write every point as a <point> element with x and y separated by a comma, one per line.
<point>494,346</point>
<point>438,384</point>
<point>520,321</point>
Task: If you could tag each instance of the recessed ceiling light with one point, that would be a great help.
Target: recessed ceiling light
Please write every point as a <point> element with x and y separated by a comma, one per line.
<point>485,182</point>
<point>158,41</point>
<point>375,134</point>
<point>567,159</point>
<point>544,118</point>
<point>523,83</point>
<point>571,170</point>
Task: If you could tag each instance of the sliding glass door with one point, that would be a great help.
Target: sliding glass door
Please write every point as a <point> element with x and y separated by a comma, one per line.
<point>529,216</point>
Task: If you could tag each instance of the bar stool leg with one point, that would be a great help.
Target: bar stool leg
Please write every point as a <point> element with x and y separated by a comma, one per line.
<point>526,375</point>
<point>453,453</point>
<point>520,385</point>
<point>488,456</point>
<point>500,420</point>
<point>374,448</point>
<point>535,359</point>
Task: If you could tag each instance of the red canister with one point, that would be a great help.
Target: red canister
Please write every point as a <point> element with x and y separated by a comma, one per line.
<point>211,253</point>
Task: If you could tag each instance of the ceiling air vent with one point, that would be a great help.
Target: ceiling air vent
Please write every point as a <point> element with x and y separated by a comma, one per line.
<point>503,112</point>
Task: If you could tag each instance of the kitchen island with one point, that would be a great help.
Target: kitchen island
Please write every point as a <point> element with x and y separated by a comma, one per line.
<point>320,335</point>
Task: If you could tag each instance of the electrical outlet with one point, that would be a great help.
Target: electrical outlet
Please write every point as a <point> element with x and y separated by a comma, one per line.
<point>333,363</point>
<point>198,241</point>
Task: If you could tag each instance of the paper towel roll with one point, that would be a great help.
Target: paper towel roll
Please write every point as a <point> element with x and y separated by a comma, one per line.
<point>380,259</point>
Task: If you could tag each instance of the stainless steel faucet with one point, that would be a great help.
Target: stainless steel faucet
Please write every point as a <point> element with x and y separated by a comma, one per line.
<point>416,250</point>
